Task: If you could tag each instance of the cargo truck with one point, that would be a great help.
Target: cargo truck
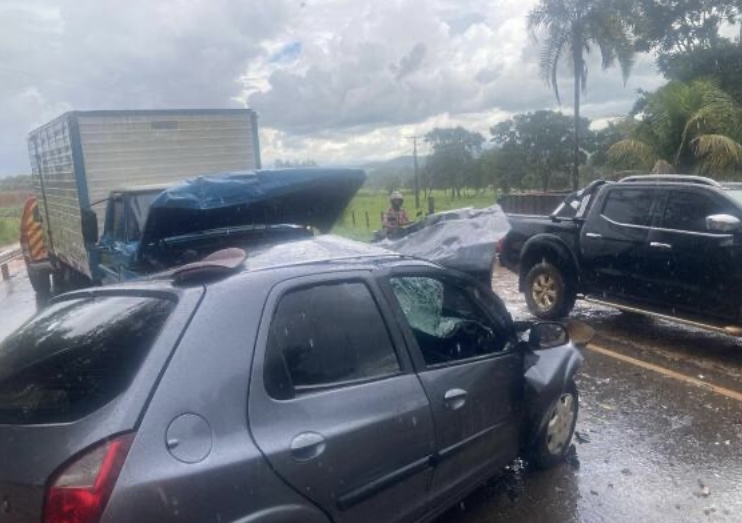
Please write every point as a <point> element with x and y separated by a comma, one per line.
<point>97,170</point>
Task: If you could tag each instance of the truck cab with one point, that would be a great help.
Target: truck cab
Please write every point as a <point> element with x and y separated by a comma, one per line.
<point>125,216</point>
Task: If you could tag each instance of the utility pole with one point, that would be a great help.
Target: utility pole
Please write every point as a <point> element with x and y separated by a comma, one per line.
<point>417,177</point>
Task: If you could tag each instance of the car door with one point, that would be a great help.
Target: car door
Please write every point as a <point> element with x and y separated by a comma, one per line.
<point>613,241</point>
<point>694,269</point>
<point>335,405</point>
<point>471,373</point>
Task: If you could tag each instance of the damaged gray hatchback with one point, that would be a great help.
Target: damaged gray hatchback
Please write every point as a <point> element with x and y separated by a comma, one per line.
<point>312,381</point>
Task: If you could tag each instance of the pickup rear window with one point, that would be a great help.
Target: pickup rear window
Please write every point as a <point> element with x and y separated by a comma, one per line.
<point>76,356</point>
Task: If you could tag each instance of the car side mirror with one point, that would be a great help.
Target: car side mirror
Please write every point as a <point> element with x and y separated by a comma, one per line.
<point>89,226</point>
<point>723,223</point>
<point>547,335</point>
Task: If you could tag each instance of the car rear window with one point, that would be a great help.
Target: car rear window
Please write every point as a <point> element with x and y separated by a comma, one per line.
<point>76,356</point>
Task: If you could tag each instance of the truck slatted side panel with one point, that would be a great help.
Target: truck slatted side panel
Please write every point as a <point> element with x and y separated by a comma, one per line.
<point>124,150</point>
<point>56,185</point>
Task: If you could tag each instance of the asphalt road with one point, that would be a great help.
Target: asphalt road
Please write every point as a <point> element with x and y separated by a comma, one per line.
<point>660,425</point>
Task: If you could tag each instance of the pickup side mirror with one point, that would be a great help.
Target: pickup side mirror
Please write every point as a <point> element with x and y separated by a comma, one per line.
<point>724,223</point>
<point>89,226</point>
<point>547,335</point>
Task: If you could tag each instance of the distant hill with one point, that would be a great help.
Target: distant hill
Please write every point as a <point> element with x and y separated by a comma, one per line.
<point>400,162</point>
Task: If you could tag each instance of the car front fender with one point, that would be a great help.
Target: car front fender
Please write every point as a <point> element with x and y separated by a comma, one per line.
<point>547,374</point>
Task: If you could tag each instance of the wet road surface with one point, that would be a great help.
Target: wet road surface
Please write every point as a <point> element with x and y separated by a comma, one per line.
<point>651,446</point>
<point>17,299</point>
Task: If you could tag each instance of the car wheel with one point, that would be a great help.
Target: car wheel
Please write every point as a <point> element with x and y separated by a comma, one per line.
<point>547,294</point>
<point>560,420</point>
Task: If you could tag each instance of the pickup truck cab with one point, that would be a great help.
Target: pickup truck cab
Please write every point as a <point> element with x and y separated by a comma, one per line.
<point>668,246</point>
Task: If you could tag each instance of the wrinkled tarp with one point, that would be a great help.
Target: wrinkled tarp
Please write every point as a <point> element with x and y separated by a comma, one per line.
<point>310,197</point>
<point>463,239</point>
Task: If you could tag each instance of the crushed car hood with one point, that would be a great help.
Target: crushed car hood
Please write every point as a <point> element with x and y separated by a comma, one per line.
<point>308,197</point>
<point>463,239</point>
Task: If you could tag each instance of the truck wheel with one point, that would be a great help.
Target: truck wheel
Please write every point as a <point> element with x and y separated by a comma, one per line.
<point>553,441</point>
<point>547,294</point>
<point>40,282</point>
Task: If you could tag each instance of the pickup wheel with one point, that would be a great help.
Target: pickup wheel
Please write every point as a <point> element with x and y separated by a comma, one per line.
<point>548,295</point>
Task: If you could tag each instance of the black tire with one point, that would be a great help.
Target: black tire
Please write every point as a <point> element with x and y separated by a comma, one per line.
<point>548,295</point>
<point>41,282</point>
<point>547,451</point>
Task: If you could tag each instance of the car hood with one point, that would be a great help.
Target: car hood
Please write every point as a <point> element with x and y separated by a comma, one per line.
<point>463,239</point>
<point>307,197</point>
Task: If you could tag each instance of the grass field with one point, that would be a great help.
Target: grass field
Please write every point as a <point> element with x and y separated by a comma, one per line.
<point>374,203</point>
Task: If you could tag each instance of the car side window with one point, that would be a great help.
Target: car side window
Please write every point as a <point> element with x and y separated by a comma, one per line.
<point>447,323</point>
<point>687,211</point>
<point>324,336</point>
<point>629,206</point>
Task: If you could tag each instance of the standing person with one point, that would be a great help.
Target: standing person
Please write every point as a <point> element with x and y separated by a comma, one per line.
<point>395,217</point>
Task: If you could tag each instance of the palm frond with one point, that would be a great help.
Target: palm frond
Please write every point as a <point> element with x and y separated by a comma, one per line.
<point>633,151</point>
<point>717,151</point>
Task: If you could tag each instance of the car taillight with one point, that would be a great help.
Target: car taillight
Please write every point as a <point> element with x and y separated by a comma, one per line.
<point>81,490</point>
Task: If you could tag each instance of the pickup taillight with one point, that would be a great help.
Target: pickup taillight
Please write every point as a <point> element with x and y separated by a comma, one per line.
<point>80,491</point>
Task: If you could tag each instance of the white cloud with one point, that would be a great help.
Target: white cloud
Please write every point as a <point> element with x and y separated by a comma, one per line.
<point>337,81</point>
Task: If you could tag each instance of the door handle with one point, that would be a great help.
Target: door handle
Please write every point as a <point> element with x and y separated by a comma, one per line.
<point>593,235</point>
<point>307,446</point>
<point>660,245</point>
<point>455,398</point>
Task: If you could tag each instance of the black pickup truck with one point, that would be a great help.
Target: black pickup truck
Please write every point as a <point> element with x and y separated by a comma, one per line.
<point>667,246</point>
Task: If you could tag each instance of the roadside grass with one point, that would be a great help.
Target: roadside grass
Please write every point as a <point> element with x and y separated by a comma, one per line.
<point>10,224</point>
<point>9,230</point>
<point>372,204</point>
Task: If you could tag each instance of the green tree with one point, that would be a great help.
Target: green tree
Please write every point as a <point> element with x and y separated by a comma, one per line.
<point>722,63</point>
<point>544,139</point>
<point>453,162</point>
<point>672,27</point>
<point>684,127</point>
<point>574,27</point>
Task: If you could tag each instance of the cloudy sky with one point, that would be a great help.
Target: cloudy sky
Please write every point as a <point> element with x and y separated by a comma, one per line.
<point>336,81</point>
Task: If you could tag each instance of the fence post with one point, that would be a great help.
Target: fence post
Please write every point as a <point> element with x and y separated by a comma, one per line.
<point>381,215</point>
<point>368,221</point>
<point>431,205</point>
<point>353,215</point>
<point>4,270</point>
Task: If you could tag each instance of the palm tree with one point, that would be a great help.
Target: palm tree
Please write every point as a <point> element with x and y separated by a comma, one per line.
<point>685,127</point>
<point>574,27</point>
